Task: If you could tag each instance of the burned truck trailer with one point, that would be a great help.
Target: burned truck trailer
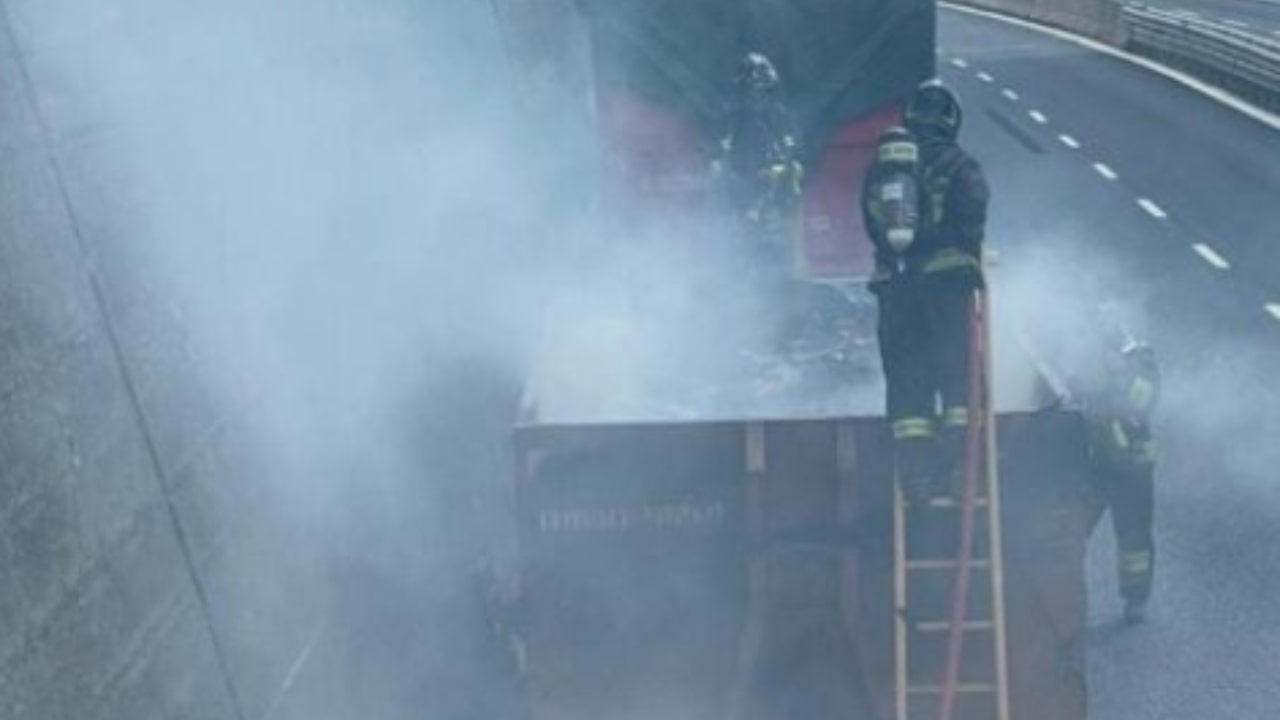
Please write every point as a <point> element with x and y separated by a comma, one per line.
<point>736,560</point>
<point>745,568</point>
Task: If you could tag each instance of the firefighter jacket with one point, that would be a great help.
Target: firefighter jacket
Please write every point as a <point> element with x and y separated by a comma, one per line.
<point>1118,406</point>
<point>953,197</point>
<point>758,158</point>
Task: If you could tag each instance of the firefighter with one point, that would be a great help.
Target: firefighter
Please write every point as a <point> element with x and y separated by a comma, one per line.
<point>757,158</point>
<point>925,207</point>
<point>758,171</point>
<point>1118,396</point>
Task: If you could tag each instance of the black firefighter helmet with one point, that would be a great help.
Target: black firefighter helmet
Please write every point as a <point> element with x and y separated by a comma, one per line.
<point>934,111</point>
<point>756,76</point>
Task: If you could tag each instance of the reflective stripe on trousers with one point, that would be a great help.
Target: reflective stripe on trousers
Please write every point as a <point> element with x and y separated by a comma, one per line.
<point>956,417</point>
<point>912,427</point>
<point>1135,563</point>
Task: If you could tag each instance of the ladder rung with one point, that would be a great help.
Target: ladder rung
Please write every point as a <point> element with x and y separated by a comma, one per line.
<point>944,503</point>
<point>945,625</point>
<point>944,564</point>
<point>968,688</point>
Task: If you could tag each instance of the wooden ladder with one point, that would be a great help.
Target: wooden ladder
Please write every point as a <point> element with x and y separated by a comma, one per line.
<point>976,686</point>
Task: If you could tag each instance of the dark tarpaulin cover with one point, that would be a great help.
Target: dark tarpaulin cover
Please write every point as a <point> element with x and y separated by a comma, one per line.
<point>838,59</point>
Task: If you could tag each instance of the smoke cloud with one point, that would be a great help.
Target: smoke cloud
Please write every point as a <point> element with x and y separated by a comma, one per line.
<point>355,210</point>
<point>364,215</point>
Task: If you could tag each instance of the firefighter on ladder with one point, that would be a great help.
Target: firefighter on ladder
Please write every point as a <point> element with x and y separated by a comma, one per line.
<point>925,207</point>
<point>1118,395</point>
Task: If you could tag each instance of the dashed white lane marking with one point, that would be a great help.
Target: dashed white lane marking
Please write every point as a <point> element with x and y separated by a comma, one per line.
<point>1152,209</point>
<point>1069,142</point>
<point>985,77</point>
<point>1038,116</point>
<point>959,62</point>
<point>1270,119</point>
<point>1010,94</point>
<point>1105,171</point>
<point>1273,309</point>
<point>1211,256</point>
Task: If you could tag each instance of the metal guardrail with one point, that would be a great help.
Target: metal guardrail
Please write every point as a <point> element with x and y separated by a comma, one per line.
<point>1242,62</point>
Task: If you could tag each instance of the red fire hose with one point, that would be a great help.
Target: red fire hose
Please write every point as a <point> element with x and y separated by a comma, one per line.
<point>979,396</point>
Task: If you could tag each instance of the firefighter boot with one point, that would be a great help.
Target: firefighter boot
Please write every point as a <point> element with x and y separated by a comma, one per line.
<point>1135,583</point>
<point>1135,612</point>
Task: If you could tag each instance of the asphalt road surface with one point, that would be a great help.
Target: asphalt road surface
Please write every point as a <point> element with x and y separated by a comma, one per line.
<point>1107,175</point>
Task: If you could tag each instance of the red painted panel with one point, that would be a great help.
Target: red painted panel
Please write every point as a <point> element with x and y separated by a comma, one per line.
<point>835,244</point>
<point>654,162</point>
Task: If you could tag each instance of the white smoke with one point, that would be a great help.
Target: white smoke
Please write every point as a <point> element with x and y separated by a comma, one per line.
<point>352,215</point>
<point>359,213</point>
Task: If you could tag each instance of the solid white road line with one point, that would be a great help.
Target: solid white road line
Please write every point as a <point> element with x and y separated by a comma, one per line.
<point>1152,209</point>
<point>1010,94</point>
<point>1273,309</point>
<point>1263,116</point>
<point>1211,256</point>
<point>1069,142</point>
<point>1235,23</point>
<point>1105,171</point>
<point>985,77</point>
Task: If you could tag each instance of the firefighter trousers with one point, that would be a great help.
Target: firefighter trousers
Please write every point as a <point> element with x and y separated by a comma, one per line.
<point>924,329</point>
<point>1127,490</point>
<point>785,301</point>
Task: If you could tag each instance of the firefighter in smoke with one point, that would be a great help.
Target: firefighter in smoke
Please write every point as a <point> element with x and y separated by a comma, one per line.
<point>757,161</point>
<point>758,152</point>
<point>925,208</point>
<point>757,169</point>
<point>1118,394</point>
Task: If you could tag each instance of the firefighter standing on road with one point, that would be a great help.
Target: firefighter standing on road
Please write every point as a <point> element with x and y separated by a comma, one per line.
<point>925,208</point>
<point>1118,395</point>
